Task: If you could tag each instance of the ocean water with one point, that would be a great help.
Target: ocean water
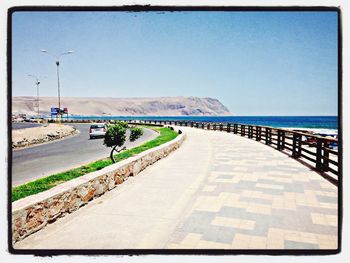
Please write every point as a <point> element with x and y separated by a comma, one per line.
<point>311,122</point>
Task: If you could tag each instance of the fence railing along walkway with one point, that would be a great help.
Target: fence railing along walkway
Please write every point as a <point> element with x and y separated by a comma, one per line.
<point>319,150</point>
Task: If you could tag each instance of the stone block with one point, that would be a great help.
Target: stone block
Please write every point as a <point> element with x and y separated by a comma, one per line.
<point>118,179</point>
<point>35,218</point>
<point>55,209</point>
<point>137,168</point>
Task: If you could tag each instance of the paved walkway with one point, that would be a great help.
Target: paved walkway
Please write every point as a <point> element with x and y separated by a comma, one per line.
<point>218,191</point>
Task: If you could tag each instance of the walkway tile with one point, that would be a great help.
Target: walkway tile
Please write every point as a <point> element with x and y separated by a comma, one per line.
<point>218,191</point>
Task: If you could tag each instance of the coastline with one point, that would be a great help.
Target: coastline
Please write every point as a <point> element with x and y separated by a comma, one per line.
<point>317,124</point>
<point>310,123</point>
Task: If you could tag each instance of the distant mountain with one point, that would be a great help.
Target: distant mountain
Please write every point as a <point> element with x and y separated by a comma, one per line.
<point>162,106</point>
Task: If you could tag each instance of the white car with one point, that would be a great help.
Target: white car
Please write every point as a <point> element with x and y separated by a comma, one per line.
<point>97,130</point>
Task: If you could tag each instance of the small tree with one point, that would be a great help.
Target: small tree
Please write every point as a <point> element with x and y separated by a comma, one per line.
<point>116,136</point>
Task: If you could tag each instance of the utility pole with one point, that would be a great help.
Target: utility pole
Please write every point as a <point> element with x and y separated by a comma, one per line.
<point>57,60</point>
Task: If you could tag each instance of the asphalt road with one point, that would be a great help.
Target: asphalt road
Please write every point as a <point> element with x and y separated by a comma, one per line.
<point>22,125</point>
<point>39,161</point>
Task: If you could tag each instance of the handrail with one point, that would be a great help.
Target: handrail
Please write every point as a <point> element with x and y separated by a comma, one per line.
<point>281,139</point>
<point>274,137</point>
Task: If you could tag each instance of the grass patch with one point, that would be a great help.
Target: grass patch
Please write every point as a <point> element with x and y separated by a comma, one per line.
<point>50,181</point>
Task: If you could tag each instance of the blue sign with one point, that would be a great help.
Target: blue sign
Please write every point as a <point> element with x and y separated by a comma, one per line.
<point>54,111</point>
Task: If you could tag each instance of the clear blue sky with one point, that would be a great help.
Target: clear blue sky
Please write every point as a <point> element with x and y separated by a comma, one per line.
<point>255,63</point>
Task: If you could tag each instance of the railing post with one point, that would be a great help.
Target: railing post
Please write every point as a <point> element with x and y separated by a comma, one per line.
<point>270,136</point>
<point>214,126</point>
<point>266,136</point>
<point>202,125</point>
<point>228,127</point>
<point>325,156</point>
<point>208,126</point>
<point>250,131</point>
<point>221,126</point>
<point>283,134</point>
<point>319,143</point>
<point>279,140</point>
<point>242,130</point>
<point>294,153</point>
<point>296,145</point>
<point>299,145</point>
<point>191,124</point>
<point>260,133</point>
<point>197,124</point>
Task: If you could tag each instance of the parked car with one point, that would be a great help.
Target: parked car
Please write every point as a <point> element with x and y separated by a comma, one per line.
<point>97,130</point>
<point>311,141</point>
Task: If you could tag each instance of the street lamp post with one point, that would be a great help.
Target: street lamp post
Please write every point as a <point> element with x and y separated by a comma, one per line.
<point>37,82</point>
<point>57,60</point>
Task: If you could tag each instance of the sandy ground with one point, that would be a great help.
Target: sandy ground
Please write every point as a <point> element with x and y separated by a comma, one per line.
<point>36,135</point>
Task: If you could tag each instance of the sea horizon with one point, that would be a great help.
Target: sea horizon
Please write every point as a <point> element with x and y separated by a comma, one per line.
<point>312,122</point>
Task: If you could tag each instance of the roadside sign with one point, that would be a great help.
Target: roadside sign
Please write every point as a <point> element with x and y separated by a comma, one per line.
<point>54,111</point>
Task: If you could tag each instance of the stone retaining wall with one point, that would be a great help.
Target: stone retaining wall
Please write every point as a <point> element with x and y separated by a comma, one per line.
<point>32,213</point>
